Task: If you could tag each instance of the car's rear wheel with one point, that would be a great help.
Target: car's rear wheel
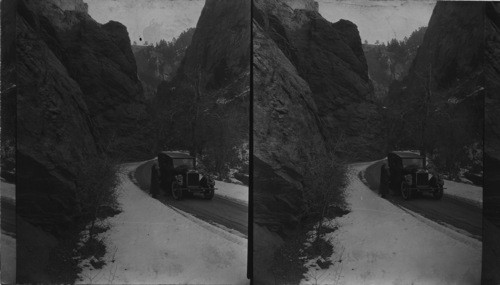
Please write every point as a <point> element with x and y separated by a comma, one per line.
<point>154,187</point>
<point>209,195</point>
<point>438,194</point>
<point>176,191</point>
<point>406,192</point>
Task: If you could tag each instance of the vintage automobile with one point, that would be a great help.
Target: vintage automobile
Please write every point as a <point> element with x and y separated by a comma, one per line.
<point>409,176</point>
<point>176,174</point>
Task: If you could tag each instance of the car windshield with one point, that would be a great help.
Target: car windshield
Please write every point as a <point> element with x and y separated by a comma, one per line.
<point>183,163</point>
<point>413,163</point>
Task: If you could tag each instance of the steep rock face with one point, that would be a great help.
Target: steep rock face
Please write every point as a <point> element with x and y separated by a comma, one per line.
<point>220,47</point>
<point>100,59</point>
<point>54,128</point>
<point>331,59</point>
<point>392,61</point>
<point>302,4</point>
<point>215,70</point>
<point>9,92</point>
<point>310,88</point>
<point>491,195</point>
<point>77,87</point>
<point>492,74</point>
<point>71,5</point>
<point>445,85</point>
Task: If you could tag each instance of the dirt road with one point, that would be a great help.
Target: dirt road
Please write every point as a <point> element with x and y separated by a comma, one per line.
<point>218,210</point>
<point>447,210</point>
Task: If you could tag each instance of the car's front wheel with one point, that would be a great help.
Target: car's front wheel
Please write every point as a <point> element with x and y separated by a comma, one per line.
<point>176,191</point>
<point>406,191</point>
<point>438,193</point>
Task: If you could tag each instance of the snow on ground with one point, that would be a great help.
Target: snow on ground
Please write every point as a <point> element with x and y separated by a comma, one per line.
<point>8,242</point>
<point>379,243</point>
<point>464,191</point>
<point>8,259</point>
<point>151,243</point>
<point>8,190</point>
<point>232,191</point>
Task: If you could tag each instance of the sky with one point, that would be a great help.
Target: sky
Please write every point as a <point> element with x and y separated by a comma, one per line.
<point>152,20</point>
<point>380,20</point>
<point>148,20</point>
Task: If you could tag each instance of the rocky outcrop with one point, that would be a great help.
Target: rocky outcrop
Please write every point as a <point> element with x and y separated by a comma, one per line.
<point>443,92</point>
<point>78,93</point>
<point>54,126</point>
<point>491,194</point>
<point>215,74</point>
<point>100,59</point>
<point>78,100</point>
<point>8,92</point>
<point>302,4</point>
<point>71,5</point>
<point>392,61</point>
<point>492,75</point>
<point>220,48</point>
<point>160,62</point>
<point>311,87</point>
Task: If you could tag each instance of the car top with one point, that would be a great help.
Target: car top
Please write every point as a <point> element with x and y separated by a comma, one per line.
<point>176,154</point>
<point>406,154</point>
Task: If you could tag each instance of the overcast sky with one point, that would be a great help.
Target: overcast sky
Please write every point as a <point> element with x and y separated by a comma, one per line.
<point>148,20</point>
<point>152,20</point>
<point>379,19</point>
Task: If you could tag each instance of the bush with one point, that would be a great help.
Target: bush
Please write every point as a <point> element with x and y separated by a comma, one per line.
<point>324,185</point>
<point>325,179</point>
<point>8,160</point>
<point>96,189</point>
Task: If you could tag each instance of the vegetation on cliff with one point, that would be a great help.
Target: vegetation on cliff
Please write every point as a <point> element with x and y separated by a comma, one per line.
<point>392,61</point>
<point>204,108</point>
<point>438,107</point>
<point>159,62</point>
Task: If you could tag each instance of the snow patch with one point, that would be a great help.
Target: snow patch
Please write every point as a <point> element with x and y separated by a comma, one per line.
<point>151,243</point>
<point>234,192</point>
<point>8,259</point>
<point>379,243</point>
<point>465,192</point>
<point>8,190</point>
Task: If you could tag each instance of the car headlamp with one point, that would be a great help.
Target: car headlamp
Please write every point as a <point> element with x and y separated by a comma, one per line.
<point>409,178</point>
<point>439,179</point>
<point>179,179</point>
<point>210,181</point>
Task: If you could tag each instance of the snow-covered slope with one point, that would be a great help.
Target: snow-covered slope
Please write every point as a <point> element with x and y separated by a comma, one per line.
<point>465,192</point>
<point>379,243</point>
<point>236,192</point>
<point>8,240</point>
<point>151,243</point>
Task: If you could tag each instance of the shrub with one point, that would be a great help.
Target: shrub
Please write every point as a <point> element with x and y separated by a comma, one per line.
<point>96,189</point>
<point>8,160</point>
<point>324,186</point>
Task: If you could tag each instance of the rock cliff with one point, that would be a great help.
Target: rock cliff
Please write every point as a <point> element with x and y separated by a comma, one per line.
<point>441,98</point>
<point>491,194</point>
<point>311,87</point>
<point>220,47</point>
<point>71,5</point>
<point>214,75</point>
<point>78,98</point>
<point>392,61</point>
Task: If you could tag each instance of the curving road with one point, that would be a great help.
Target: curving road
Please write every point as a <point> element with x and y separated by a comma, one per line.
<point>218,210</point>
<point>447,210</point>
